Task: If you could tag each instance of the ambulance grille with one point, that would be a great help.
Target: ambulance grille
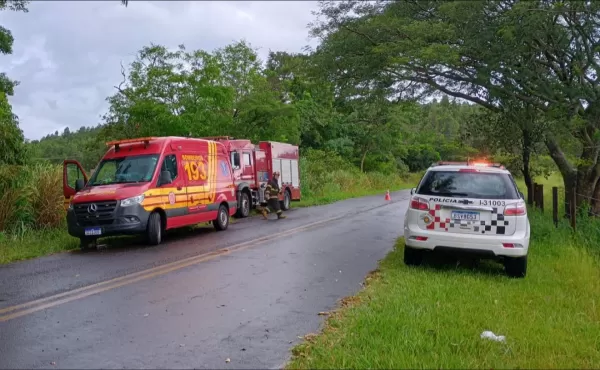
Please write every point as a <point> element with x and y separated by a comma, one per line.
<point>103,215</point>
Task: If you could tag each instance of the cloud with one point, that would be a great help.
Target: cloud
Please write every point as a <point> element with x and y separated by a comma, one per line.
<point>66,54</point>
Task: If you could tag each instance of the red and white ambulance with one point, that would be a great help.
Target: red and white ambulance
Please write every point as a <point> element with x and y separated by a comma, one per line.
<point>150,185</point>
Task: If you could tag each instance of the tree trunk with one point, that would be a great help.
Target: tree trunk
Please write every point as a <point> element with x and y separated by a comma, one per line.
<point>362,161</point>
<point>526,170</point>
<point>568,171</point>
<point>587,178</point>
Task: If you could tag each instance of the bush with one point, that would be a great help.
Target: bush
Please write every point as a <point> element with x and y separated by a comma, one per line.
<point>323,173</point>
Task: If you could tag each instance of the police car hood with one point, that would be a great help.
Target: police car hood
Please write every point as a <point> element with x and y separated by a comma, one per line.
<point>109,192</point>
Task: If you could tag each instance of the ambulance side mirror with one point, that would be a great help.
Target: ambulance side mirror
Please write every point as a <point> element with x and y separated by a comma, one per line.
<point>165,178</point>
<point>79,184</point>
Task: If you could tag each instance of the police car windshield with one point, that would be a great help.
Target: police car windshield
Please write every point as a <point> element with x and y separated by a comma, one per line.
<point>479,185</point>
<point>123,170</point>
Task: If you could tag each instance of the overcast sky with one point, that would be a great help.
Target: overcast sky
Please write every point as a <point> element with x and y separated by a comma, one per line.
<point>66,54</point>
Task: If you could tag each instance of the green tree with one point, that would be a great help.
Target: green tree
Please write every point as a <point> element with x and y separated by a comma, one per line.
<point>541,53</point>
<point>6,42</point>
<point>11,136</point>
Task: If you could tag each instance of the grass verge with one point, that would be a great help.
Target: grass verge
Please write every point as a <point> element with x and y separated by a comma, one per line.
<point>432,316</point>
<point>35,243</point>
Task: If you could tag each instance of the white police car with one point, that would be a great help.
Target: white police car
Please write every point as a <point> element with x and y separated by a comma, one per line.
<point>468,207</point>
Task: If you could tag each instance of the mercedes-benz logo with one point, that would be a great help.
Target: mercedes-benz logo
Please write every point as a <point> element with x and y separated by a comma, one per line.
<point>92,208</point>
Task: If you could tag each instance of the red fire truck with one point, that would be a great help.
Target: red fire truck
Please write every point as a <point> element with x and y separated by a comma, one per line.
<point>252,168</point>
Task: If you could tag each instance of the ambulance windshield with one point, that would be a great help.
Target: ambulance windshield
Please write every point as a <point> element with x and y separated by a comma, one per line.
<point>123,170</point>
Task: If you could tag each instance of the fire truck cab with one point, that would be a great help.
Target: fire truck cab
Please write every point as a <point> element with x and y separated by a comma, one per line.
<point>149,185</point>
<point>253,165</point>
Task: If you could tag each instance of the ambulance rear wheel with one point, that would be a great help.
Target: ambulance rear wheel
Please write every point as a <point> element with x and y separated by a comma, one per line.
<point>222,221</point>
<point>154,229</point>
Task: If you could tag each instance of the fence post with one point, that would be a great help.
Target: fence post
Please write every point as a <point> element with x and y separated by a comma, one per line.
<point>573,210</point>
<point>535,195</point>
<point>555,205</point>
<point>541,186</point>
<point>530,194</point>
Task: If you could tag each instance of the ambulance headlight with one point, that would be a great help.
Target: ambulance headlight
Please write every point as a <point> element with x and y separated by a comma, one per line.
<point>133,200</point>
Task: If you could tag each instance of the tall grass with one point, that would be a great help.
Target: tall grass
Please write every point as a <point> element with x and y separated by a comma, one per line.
<point>327,177</point>
<point>31,197</point>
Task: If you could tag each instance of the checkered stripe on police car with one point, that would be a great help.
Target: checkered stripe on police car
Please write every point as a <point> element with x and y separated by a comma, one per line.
<point>497,225</point>
<point>435,213</point>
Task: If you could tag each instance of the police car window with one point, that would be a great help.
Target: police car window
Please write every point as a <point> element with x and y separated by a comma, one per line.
<point>170,164</point>
<point>468,185</point>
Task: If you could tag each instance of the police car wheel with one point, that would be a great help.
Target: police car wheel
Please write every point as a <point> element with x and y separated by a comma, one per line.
<point>222,221</point>
<point>516,267</point>
<point>412,256</point>
<point>154,230</point>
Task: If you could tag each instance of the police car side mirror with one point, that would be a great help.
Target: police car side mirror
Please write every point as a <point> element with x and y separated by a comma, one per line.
<point>79,184</point>
<point>412,191</point>
<point>165,178</point>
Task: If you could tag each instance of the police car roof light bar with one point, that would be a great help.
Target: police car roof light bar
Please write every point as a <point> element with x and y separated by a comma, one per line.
<point>117,143</point>
<point>468,163</point>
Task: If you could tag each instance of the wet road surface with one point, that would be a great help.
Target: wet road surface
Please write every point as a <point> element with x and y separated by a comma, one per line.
<point>248,305</point>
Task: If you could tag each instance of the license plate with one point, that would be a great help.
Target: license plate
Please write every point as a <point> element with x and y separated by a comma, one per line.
<point>465,216</point>
<point>93,231</point>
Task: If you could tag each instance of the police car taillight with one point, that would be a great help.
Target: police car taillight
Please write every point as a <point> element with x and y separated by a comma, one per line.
<point>517,209</point>
<point>419,203</point>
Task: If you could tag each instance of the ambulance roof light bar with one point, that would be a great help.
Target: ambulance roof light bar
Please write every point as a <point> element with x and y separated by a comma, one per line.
<point>117,143</point>
<point>216,138</point>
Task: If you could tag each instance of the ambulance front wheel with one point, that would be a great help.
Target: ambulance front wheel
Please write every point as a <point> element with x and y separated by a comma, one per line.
<point>154,229</point>
<point>87,243</point>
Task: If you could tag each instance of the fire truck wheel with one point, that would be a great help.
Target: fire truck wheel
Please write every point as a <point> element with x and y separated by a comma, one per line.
<point>244,209</point>
<point>86,244</point>
<point>285,203</point>
<point>222,221</point>
<point>154,229</point>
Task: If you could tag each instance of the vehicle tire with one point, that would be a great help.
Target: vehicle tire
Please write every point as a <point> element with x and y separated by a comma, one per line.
<point>87,244</point>
<point>412,256</point>
<point>154,229</point>
<point>287,200</point>
<point>222,221</point>
<point>244,210</point>
<point>516,267</point>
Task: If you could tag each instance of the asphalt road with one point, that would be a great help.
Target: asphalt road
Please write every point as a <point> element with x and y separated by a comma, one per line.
<point>199,298</point>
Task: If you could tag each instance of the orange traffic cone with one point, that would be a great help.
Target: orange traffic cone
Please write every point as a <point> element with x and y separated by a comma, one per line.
<point>387,195</point>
